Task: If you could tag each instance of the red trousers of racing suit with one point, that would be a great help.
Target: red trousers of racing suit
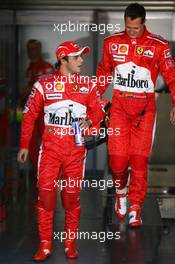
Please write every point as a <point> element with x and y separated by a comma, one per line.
<point>132,145</point>
<point>59,154</point>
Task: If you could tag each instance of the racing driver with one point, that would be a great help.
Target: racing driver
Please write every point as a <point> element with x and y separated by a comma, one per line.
<point>132,59</point>
<point>65,98</point>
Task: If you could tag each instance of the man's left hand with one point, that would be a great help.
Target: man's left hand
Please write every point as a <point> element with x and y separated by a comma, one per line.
<point>172,116</point>
<point>85,124</point>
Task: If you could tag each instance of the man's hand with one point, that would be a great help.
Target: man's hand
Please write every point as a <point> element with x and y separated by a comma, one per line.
<point>22,155</point>
<point>172,116</point>
<point>85,124</point>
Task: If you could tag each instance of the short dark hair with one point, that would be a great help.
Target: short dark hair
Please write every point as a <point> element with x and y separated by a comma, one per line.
<point>34,41</point>
<point>58,63</point>
<point>134,11</point>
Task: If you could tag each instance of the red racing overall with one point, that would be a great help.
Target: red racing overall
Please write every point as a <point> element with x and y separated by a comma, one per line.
<point>133,65</point>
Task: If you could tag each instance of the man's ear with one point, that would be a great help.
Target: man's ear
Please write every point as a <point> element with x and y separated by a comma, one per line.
<point>144,22</point>
<point>63,62</point>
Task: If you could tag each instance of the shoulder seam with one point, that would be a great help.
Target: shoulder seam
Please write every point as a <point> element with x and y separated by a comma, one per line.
<point>116,34</point>
<point>38,86</point>
<point>159,40</point>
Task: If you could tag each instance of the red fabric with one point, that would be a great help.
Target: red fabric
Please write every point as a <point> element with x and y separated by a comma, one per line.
<point>138,175</point>
<point>125,117</point>
<point>4,125</point>
<point>119,169</point>
<point>33,72</point>
<point>58,152</point>
<point>37,69</point>
<point>45,223</point>
<point>70,48</point>
<point>82,97</point>
<point>55,156</point>
<point>139,59</point>
<point>138,179</point>
<point>35,141</point>
<point>71,204</point>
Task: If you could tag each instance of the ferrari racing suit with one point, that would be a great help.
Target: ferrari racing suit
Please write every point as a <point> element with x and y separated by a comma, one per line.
<point>132,65</point>
<point>63,102</point>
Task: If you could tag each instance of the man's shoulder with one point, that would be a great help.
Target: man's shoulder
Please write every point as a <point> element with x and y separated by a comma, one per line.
<point>46,77</point>
<point>46,64</point>
<point>115,36</point>
<point>157,38</point>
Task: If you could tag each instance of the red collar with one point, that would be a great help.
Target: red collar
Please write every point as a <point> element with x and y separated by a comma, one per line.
<point>137,40</point>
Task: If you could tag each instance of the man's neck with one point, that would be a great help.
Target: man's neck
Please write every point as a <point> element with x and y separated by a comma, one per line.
<point>65,72</point>
<point>34,60</point>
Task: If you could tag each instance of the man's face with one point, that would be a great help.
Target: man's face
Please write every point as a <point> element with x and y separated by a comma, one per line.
<point>134,28</point>
<point>34,51</point>
<point>74,64</point>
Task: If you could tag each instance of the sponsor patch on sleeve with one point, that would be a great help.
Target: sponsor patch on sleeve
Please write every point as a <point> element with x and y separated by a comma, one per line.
<point>170,63</point>
<point>167,53</point>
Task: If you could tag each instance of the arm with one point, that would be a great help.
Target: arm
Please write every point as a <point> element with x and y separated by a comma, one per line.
<point>95,111</point>
<point>104,69</point>
<point>34,105</point>
<point>167,69</point>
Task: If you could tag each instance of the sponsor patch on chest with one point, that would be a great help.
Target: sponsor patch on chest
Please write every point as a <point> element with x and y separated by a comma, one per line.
<point>55,86</point>
<point>118,58</point>
<point>146,51</point>
<point>120,49</point>
<point>84,90</point>
<point>54,96</point>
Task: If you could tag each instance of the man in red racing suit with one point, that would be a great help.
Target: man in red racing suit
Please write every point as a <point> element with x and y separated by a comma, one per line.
<point>64,101</point>
<point>132,60</point>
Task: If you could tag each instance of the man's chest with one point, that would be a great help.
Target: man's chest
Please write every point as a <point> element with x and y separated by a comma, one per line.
<point>59,91</point>
<point>141,54</point>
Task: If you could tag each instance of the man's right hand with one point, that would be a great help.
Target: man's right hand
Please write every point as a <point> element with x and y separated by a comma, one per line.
<point>22,155</point>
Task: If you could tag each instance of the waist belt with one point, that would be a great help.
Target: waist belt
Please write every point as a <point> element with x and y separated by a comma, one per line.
<point>133,95</point>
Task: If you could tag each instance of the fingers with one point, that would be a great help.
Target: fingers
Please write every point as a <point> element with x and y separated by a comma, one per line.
<point>22,155</point>
<point>25,157</point>
<point>172,117</point>
<point>83,124</point>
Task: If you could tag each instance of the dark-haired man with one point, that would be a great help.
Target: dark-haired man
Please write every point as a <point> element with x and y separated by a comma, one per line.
<point>64,99</point>
<point>134,58</point>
